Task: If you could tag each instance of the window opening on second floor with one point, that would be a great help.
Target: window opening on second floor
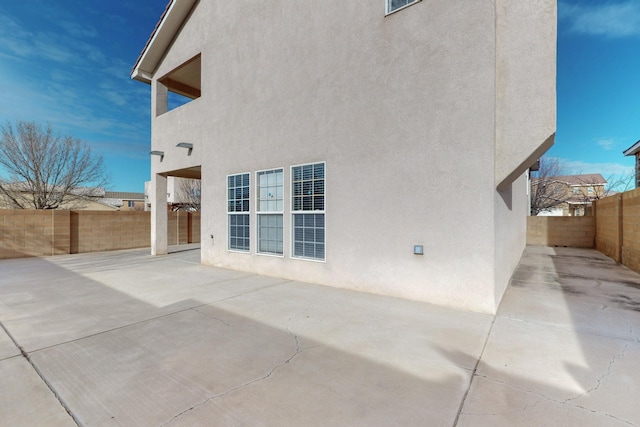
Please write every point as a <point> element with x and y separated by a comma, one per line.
<point>181,86</point>
<point>395,5</point>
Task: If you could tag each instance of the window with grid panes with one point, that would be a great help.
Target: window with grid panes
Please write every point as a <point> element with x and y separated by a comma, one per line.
<point>238,212</point>
<point>270,208</point>
<point>308,211</point>
<point>393,5</point>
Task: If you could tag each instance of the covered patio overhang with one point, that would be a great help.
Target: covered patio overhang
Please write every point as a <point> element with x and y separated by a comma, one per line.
<point>159,210</point>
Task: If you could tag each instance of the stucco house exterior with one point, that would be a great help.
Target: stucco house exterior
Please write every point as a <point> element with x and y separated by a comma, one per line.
<point>378,145</point>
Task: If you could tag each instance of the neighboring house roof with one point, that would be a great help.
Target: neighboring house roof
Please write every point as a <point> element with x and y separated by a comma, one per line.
<point>586,179</point>
<point>124,195</point>
<point>111,203</point>
<point>633,150</point>
<point>76,191</point>
<point>163,34</point>
<point>577,180</point>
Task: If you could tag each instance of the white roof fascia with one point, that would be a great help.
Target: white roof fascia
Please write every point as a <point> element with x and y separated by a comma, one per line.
<point>635,148</point>
<point>171,22</point>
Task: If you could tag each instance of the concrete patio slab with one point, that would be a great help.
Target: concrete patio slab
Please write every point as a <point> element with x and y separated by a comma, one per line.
<point>7,348</point>
<point>61,299</point>
<point>562,346</point>
<point>123,338</point>
<point>25,398</point>
<point>129,339</point>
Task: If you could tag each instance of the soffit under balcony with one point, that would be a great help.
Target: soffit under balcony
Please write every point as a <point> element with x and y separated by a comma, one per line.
<point>185,80</point>
<point>193,172</point>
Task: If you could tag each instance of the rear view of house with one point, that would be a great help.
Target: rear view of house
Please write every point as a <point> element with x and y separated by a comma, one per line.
<point>377,145</point>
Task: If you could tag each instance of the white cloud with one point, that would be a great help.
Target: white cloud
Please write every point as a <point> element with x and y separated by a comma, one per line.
<point>14,40</point>
<point>607,144</point>
<point>612,19</point>
<point>51,46</point>
<point>77,30</point>
<point>607,170</point>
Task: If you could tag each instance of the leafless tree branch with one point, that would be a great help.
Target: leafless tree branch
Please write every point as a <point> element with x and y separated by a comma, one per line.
<point>546,193</point>
<point>43,170</point>
<point>188,192</point>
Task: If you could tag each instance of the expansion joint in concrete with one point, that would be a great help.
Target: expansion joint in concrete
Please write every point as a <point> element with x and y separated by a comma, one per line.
<point>473,373</point>
<point>27,357</point>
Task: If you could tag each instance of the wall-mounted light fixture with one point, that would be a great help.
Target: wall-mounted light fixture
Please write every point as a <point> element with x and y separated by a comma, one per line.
<point>157,153</point>
<point>187,145</point>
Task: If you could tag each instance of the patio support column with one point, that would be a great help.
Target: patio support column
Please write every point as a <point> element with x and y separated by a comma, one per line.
<point>159,216</point>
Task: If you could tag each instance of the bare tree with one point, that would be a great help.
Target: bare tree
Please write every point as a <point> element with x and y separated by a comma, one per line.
<point>189,195</point>
<point>619,184</point>
<point>546,192</point>
<point>43,170</point>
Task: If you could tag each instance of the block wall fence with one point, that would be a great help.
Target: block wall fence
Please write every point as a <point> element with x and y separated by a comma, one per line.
<point>618,222</point>
<point>613,229</point>
<point>28,233</point>
<point>570,231</point>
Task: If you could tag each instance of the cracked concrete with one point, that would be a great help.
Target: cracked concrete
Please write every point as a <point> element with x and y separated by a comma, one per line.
<point>562,356</point>
<point>240,387</point>
<point>127,339</point>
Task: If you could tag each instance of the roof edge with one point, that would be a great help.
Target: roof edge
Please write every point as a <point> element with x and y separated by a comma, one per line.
<point>165,31</point>
<point>634,149</point>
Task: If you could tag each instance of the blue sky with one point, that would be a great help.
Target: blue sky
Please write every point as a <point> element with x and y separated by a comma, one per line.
<point>598,85</point>
<point>68,64</point>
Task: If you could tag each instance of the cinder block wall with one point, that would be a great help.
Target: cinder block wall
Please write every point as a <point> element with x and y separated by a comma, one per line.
<point>27,233</point>
<point>178,228</point>
<point>569,231</point>
<point>95,231</point>
<point>630,248</point>
<point>194,227</point>
<point>609,226</point>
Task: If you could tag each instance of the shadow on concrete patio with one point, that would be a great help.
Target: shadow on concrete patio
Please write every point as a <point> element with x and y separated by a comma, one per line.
<point>128,339</point>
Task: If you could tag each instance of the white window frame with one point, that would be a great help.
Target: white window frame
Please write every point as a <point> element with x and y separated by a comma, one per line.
<point>307,212</point>
<point>236,213</point>
<point>387,6</point>
<point>260,212</point>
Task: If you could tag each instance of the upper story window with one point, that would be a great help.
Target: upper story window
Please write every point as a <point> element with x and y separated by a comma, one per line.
<point>395,5</point>
<point>180,86</point>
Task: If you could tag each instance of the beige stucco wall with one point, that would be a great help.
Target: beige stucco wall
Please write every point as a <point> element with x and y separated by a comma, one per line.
<point>525,84</point>
<point>402,109</point>
<point>511,211</point>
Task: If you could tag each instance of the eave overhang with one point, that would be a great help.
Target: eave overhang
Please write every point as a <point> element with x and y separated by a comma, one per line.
<point>161,38</point>
<point>633,150</point>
